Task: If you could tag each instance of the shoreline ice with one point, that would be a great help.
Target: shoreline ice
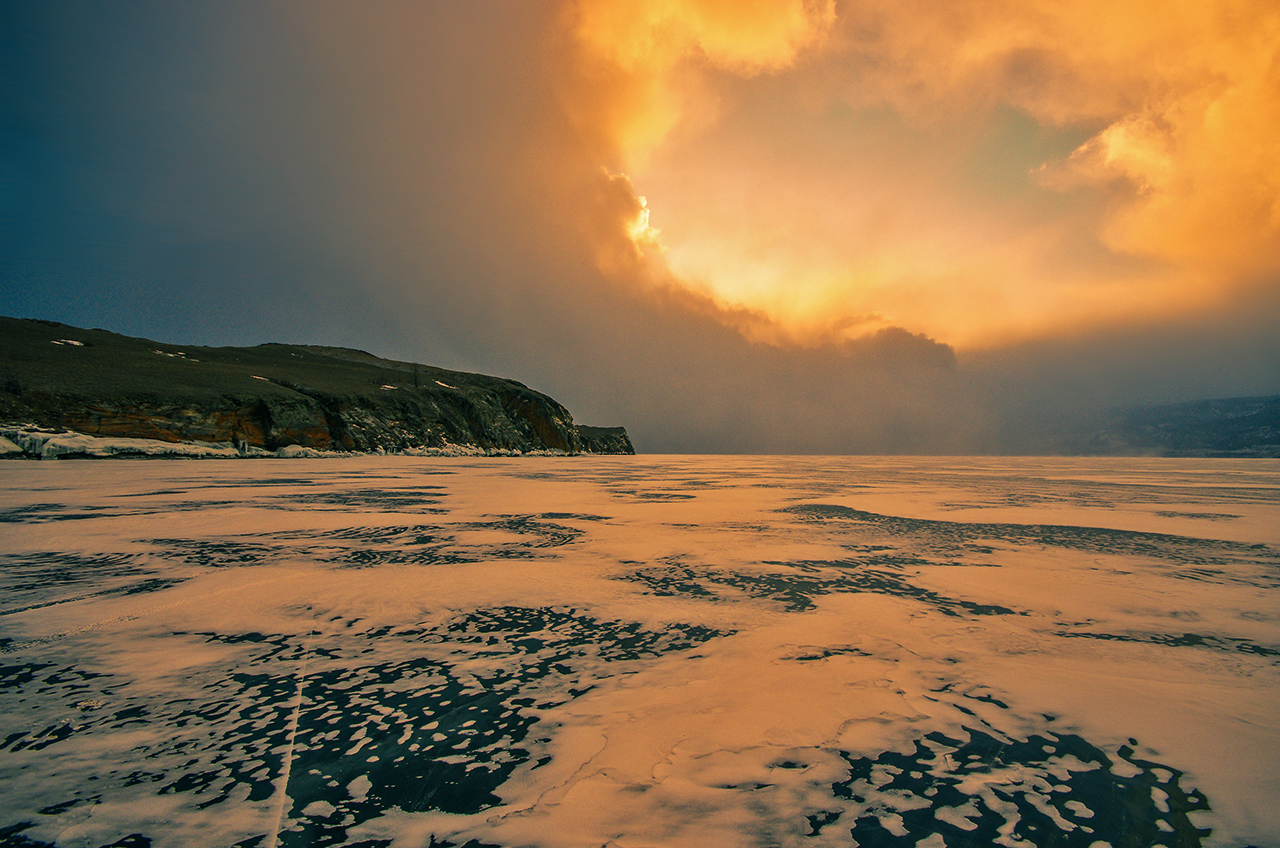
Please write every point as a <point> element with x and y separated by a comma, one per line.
<point>38,443</point>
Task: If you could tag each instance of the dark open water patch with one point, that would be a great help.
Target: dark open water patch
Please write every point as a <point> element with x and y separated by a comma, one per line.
<point>1229,644</point>
<point>574,516</point>
<point>421,718</point>
<point>412,534</point>
<point>437,717</point>
<point>188,506</point>
<point>217,553</point>
<point>566,633</point>
<point>41,513</point>
<point>1208,516</point>
<point>49,578</point>
<point>149,494</point>
<point>424,499</point>
<point>11,837</point>
<point>322,479</point>
<point>538,533</point>
<point>45,513</point>
<point>956,538</point>
<point>366,547</point>
<point>141,587</point>
<point>1045,790</point>
<point>799,583</point>
<point>642,495</point>
<point>428,544</point>
<point>42,569</point>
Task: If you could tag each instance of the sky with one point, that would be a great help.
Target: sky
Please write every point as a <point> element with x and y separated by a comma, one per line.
<point>884,226</point>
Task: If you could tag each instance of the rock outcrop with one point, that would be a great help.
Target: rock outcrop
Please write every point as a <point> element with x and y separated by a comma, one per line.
<point>270,397</point>
<point>605,439</point>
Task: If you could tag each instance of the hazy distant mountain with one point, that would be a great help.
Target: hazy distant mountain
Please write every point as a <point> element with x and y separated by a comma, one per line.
<point>271,396</point>
<point>1246,427</point>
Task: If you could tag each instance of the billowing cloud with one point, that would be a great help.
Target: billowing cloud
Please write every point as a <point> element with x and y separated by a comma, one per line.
<point>634,80</point>
<point>982,171</point>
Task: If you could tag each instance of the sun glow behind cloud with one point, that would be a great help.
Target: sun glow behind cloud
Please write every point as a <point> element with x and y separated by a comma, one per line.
<point>981,172</point>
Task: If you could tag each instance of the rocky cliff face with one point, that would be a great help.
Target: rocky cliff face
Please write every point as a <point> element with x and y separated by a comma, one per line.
<point>266,397</point>
<point>605,439</point>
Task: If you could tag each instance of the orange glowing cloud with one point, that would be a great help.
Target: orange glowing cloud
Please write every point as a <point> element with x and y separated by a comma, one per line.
<point>979,171</point>
<point>644,51</point>
<point>1201,174</point>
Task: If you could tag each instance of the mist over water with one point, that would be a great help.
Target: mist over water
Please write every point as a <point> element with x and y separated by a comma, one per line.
<point>640,651</point>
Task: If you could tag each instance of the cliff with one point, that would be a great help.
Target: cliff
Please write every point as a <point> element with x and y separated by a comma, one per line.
<point>604,439</point>
<point>270,397</point>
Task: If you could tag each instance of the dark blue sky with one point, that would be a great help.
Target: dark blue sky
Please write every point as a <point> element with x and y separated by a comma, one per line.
<point>149,184</point>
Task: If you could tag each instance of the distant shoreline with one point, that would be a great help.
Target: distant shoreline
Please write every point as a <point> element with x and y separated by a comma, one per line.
<point>32,443</point>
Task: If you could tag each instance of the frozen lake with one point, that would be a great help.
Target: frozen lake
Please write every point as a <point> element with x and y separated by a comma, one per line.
<point>685,652</point>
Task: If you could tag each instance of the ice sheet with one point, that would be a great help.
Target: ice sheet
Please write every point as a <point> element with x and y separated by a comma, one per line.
<point>640,651</point>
